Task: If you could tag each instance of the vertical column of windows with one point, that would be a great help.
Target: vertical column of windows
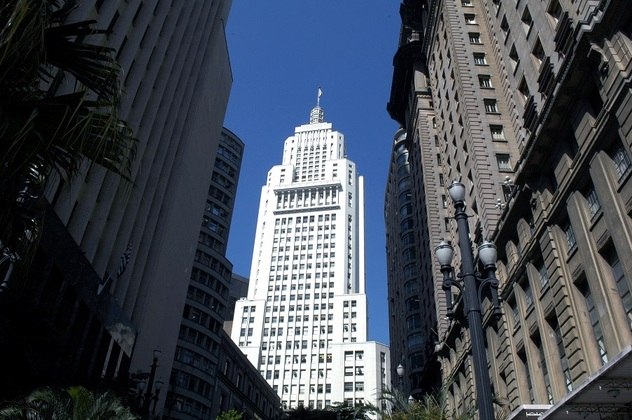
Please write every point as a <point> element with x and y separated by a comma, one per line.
<point>561,350</point>
<point>597,331</point>
<point>612,258</point>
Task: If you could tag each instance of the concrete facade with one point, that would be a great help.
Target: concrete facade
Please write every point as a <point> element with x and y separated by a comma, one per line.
<point>176,79</point>
<point>531,113</point>
<point>304,321</point>
<point>411,287</point>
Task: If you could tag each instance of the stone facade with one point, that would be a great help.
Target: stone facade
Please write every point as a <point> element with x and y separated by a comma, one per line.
<point>532,111</point>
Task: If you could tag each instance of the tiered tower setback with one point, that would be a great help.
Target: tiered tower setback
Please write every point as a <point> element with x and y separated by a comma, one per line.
<point>304,321</point>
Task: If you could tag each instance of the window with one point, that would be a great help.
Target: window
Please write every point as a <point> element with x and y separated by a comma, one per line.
<point>470,18</point>
<point>491,106</point>
<point>528,294</point>
<point>466,3</point>
<point>621,160</point>
<point>623,287</point>
<point>538,52</point>
<point>527,21</point>
<point>554,10</point>
<point>504,26</point>
<point>571,242</point>
<point>514,60</point>
<point>593,201</point>
<point>485,81</point>
<point>479,59</point>
<point>504,163</point>
<point>523,88</point>
<point>543,363</point>
<point>554,326</point>
<point>475,37</point>
<point>544,276</point>
<point>498,133</point>
<point>584,289</point>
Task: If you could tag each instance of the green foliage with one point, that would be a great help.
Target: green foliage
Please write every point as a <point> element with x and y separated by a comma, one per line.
<point>59,100</point>
<point>230,415</point>
<point>431,407</point>
<point>339,411</point>
<point>75,403</point>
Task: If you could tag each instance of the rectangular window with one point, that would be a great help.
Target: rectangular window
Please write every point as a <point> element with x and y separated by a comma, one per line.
<point>554,10</point>
<point>621,160</point>
<point>479,59</point>
<point>544,276</point>
<point>485,81</point>
<point>504,163</point>
<point>543,367</point>
<point>498,133</point>
<point>571,242</point>
<point>591,308</point>
<point>528,295</point>
<point>538,52</point>
<point>523,88</point>
<point>470,18</point>
<point>527,20</point>
<point>561,350</point>
<point>623,287</point>
<point>491,106</point>
<point>513,58</point>
<point>523,369</point>
<point>593,201</point>
<point>475,37</point>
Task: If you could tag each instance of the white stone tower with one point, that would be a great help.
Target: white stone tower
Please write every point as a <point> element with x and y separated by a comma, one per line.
<point>304,321</point>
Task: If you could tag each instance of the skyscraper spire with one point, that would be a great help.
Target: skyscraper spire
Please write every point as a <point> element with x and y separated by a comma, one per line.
<point>317,115</point>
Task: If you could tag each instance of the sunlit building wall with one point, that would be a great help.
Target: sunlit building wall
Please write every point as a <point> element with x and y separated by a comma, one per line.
<point>530,116</point>
<point>304,321</point>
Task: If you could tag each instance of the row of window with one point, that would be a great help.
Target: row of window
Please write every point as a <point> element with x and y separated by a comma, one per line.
<point>296,344</point>
<point>296,359</point>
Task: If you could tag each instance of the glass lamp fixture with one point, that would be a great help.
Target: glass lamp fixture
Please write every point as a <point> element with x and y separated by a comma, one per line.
<point>457,191</point>
<point>444,253</point>
<point>487,253</point>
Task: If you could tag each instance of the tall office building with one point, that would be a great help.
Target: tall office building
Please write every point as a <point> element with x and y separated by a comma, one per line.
<point>209,373</point>
<point>411,287</point>
<point>113,266</point>
<point>304,321</point>
<point>529,109</point>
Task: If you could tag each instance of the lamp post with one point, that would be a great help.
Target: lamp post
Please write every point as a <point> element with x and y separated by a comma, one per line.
<point>471,284</point>
<point>151,392</point>
<point>400,374</point>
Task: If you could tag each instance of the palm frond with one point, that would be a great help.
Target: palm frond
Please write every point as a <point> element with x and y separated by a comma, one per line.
<point>92,65</point>
<point>21,42</point>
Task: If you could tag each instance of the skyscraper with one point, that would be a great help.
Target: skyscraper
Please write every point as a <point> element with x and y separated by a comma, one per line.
<point>527,104</point>
<point>112,270</point>
<point>304,321</point>
<point>209,373</point>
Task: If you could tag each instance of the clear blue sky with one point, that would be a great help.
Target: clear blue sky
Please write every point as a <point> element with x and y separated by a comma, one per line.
<point>281,52</point>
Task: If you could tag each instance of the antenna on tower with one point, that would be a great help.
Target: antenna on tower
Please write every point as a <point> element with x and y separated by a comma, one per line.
<point>317,114</point>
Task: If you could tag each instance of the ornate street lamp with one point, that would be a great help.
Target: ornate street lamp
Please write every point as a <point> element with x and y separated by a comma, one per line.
<point>152,392</point>
<point>471,284</point>
<point>400,374</point>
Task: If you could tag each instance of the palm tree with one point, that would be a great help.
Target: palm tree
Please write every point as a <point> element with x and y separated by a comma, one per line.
<point>230,415</point>
<point>430,407</point>
<point>43,130</point>
<point>72,403</point>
